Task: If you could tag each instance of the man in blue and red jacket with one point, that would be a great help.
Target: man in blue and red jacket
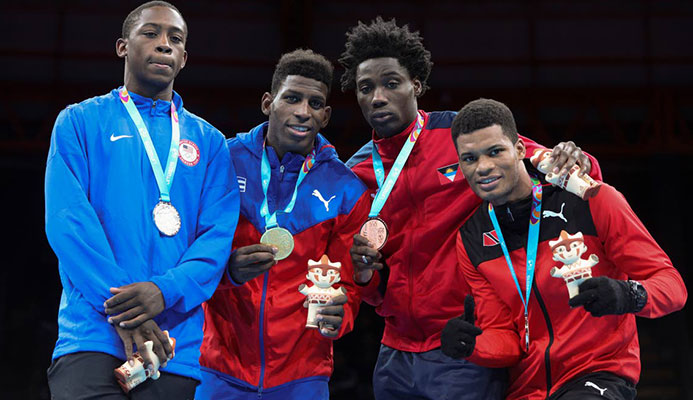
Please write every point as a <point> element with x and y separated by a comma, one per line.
<point>387,66</point>
<point>255,337</point>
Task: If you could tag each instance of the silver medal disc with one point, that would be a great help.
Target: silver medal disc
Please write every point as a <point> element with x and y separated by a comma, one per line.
<point>375,230</point>
<point>281,239</point>
<point>166,218</point>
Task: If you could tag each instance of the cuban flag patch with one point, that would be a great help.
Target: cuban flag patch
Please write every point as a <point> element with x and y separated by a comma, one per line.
<point>241,183</point>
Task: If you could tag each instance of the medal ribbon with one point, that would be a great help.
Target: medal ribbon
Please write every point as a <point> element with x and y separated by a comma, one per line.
<point>532,244</point>
<point>385,185</point>
<point>163,179</point>
<point>266,174</point>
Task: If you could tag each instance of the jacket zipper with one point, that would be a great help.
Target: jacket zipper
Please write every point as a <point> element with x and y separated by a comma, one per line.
<point>549,327</point>
<point>262,338</point>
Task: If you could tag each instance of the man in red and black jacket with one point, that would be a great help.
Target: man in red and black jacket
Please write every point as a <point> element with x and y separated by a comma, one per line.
<point>421,287</point>
<point>562,347</point>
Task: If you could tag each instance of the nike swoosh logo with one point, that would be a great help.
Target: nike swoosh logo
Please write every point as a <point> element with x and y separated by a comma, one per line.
<point>114,138</point>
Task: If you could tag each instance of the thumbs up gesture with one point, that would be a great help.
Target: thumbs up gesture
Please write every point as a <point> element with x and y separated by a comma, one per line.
<point>459,335</point>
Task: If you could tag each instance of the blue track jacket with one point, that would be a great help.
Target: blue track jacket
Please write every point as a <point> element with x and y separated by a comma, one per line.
<point>100,193</point>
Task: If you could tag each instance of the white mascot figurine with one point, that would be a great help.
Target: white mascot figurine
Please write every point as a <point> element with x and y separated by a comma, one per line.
<point>569,249</point>
<point>323,274</point>
<point>581,186</point>
<point>130,376</point>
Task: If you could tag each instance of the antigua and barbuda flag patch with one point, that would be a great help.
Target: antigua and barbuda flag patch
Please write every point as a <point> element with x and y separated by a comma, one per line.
<point>447,173</point>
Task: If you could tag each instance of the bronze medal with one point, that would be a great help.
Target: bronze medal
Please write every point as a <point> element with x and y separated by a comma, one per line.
<point>375,230</point>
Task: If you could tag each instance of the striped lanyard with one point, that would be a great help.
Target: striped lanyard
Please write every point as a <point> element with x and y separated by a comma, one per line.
<point>385,185</point>
<point>266,175</point>
<point>532,244</point>
<point>163,179</point>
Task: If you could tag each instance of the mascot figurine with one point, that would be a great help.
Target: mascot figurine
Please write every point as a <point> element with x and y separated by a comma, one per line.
<point>582,186</point>
<point>323,274</point>
<point>569,249</point>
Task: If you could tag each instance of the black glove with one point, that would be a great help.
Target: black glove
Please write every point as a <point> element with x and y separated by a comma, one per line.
<point>605,296</point>
<point>459,335</point>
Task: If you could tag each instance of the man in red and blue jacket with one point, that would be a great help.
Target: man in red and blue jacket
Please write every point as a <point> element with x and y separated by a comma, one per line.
<point>256,343</point>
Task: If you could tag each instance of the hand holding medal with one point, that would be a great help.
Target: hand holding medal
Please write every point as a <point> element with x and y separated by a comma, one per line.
<point>248,262</point>
<point>366,258</point>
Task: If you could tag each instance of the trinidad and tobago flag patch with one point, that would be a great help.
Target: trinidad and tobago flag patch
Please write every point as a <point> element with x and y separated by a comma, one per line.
<point>447,173</point>
<point>490,239</point>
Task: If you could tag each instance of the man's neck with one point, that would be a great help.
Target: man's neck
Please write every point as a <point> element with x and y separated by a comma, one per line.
<point>385,135</point>
<point>154,93</point>
<point>280,152</point>
<point>522,190</point>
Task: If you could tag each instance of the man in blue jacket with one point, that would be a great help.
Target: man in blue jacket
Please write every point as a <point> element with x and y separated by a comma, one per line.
<point>141,209</point>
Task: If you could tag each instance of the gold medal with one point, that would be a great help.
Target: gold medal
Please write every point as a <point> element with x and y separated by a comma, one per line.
<point>375,230</point>
<point>166,218</point>
<point>281,239</point>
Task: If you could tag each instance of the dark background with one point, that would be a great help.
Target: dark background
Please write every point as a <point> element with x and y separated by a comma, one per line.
<point>616,77</point>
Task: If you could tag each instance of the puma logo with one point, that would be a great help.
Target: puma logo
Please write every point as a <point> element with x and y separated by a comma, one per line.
<point>590,384</point>
<point>548,213</point>
<point>317,194</point>
<point>114,138</point>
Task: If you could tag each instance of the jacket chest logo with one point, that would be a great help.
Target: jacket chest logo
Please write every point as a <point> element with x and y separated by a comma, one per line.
<point>188,153</point>
<point>326,203</point>
<point>447,173</point>
<point>548,213</point>
<point>490,239</point>
<point>241,183</point>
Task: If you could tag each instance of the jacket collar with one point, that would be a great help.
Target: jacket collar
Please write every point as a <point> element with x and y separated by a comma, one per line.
<point>393,144</point>
<point>146,103</point>
<point>254,139</point>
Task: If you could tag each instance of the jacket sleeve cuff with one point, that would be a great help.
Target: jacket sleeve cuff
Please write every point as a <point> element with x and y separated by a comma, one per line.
<point>169,290</point>
<point>227,274</point>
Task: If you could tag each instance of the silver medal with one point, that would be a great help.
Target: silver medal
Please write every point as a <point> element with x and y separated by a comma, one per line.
<point>166,218</point>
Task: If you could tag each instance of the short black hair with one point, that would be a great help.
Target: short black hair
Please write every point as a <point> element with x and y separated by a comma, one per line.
<point>482,113</point>
<point>303,62</point>
<point>135,14</point>
<point>385,39</point>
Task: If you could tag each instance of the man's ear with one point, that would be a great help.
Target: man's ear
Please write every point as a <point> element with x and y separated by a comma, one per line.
<point>185,59</point>
<point>521,149</point>
<point>418,87</point>
<point>328,114</point>
<point>266,103</point>
<point>121,46</point>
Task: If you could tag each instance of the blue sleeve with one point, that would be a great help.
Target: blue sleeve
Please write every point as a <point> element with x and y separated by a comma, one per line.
<point>200,268</point>
<point>73,228</point>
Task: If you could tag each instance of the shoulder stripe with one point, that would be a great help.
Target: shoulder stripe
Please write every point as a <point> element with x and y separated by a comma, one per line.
<point>440,119</point>
<point>361,155</point>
